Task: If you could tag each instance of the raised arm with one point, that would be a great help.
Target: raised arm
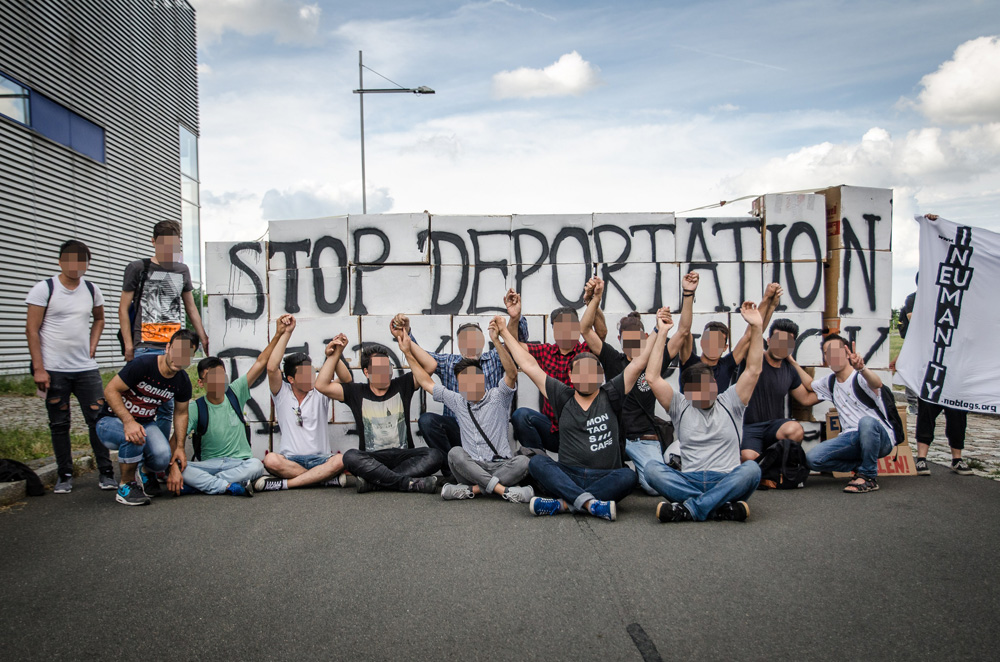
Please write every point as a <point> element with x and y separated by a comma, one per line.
<point>639,363</point>
<point>661,389</point>
<point>766,309</point>
<point>324,380</point>
<point>600,324</point>
<point>590,336</point>
<point>755,352</point>
<point>260,365</point>
<point>399,327</point>
<point>509,367</point>
<point>524,359</point>
<point>682,336</point>
<point>858,363</point>
<point>516,323</point>
<point>420,376</point>
<point>274,376</point>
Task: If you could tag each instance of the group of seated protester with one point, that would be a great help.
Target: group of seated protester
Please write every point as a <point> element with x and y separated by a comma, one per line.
<point>597,414</point>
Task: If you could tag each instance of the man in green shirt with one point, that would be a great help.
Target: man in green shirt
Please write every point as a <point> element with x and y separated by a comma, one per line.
<point>227,465</point>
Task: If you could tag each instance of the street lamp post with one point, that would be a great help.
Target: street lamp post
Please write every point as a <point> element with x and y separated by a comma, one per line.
<point>361,92</point>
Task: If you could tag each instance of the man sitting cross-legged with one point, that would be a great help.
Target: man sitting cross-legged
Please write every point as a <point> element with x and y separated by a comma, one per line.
<point>303,412</point>
<point>713,485</point>
<point>589,476</point>
<point>226,464</point>
<point>483,463</point>
<point>385,458</point>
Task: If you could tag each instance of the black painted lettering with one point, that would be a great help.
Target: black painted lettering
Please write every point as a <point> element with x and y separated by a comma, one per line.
<point>319,285</point>
<point>479,266</point>
<point>260,300</point>
<point>290,249</point>
<point>609,267</point>
<point>520,273</point>
<point>359,299</point>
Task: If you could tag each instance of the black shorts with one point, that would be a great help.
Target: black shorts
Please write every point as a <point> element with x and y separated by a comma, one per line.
<point>758,436</point>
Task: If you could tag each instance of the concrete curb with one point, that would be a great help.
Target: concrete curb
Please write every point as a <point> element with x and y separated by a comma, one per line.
<point>48,474</point>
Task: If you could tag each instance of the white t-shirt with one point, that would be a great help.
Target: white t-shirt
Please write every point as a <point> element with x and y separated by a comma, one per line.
<point>310,438</point>
<point>851,411</point>
<point>709,438</point>
<point>65,331</point>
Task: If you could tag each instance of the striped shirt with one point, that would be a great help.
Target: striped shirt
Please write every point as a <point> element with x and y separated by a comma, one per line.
<point>492,413</point>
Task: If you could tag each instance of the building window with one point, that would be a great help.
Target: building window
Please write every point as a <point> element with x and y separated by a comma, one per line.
<point>50,119</point>
<point>14,101</point>
<point>190,209</point>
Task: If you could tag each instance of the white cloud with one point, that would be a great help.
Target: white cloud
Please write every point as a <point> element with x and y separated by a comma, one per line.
<point>724,108</point>
<point>966,88</point>
<point>508,4</point>
<point>570,75</point>
<point>312,200</point>
<point>288,20</point>
<point>204,69</point>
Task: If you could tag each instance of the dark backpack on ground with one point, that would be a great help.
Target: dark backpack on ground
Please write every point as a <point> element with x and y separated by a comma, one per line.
<point>49,282</point>
<point>202,427</point>
<point>894,422</point>
<point>133,306</point>
<point>12,471</point>
<point>784,463</point>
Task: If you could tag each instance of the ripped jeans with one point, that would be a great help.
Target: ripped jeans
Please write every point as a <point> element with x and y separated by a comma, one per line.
<point>89,391</point>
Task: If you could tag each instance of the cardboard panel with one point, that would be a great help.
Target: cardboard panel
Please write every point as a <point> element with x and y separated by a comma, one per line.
<point>871,338</point>
<point>238,320</point>
<point>864,284</point>
<point>235,267</point>
<point>458,290</point>
<point>433,333</point>
<point>389,238</point>
<point>644,287</point>
<point>325,234</point>
<point>802,283</point>
<point>854,214</point>
<point>552,239</point>
<point>391,289</point>
<point>640,238</point>
<point>794,227</point>
<point>309,292</point>
<point>719,239</point>
<point>465,240</point>
<point>724,287</point>
<point>311,336</point>
<point>550,287</point>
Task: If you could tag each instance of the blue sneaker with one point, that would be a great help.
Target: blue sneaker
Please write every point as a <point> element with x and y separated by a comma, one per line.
<point>131,494</point>
<point>603,509</point>
<point>240,489</point>
<point>542,506</point>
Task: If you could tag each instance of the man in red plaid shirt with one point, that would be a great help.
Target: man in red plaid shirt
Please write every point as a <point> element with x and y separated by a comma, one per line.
<point>541,430</point>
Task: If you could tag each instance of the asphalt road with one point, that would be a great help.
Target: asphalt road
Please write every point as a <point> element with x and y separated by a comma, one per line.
<point>907,572</point>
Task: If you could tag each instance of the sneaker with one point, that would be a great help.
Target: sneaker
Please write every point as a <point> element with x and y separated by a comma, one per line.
<point>340,480</point>
<point>64,485</point>
<point>453,491</point>
<point>911,410</point>
<point>130,494</point>
<point>426,485</point>
<point>961,467</point>
<point>241,489</point>
<point>542,506</point>
<point>269,484</point>
<point>667,511</point>
<point>107,482</point>
<point>731,511</point>
<point>519,494</point>
<point>603,509</point>
<point>365,485</point>
<point>923,469</point>
<point>150,486</point>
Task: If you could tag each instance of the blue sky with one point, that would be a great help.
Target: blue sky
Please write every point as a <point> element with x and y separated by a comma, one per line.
<point>584,106</point>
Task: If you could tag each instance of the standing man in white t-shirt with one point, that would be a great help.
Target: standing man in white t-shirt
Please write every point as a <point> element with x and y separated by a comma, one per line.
<point>62,357</point>
<point>304,457</point>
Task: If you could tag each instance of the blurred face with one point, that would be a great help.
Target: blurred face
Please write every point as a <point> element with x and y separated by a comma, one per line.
<point>304,379</point>
<point>179,354</point>
<point>73,265</point>
<point>713,344</point>
<point>471,343</point>
<point>586,375</point>
<point>214,382</point>
<point>379,373</point>
<point>167,249</point>
<point>780,344</point>
<point>472,384</point>
<point>702,393</point>
<point>835,354</point>
<point>632,343</point>
<point>566,331</point>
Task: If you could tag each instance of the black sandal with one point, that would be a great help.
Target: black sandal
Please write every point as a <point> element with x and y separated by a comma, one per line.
<point>869,485</point>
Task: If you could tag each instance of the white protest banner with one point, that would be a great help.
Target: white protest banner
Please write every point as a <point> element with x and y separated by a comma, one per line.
<point>950,352</point>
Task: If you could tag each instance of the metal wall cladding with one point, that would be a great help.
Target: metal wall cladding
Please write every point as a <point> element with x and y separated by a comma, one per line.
<point>131,68</point>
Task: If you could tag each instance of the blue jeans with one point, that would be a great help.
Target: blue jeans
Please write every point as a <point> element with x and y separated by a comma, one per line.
<point>155,452</point>
<point>165,412</point>
<point>533,429</point>
<point>215,475</point>
<point>642,452</point>
<point>858,450</point>
<point>308,462</point>
<point>702,492</point>
<point>577,485</point>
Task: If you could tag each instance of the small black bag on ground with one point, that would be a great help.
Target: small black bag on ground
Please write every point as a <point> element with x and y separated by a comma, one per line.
<point>784,463</point>
<point>12,471</point>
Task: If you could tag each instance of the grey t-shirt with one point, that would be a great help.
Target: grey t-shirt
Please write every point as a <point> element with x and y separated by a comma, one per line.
<point>589,438</point>
<point>160,313</point>
<point>709,438</point>
<point>492,414</point>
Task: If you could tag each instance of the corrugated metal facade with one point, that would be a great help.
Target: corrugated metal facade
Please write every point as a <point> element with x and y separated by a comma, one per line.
<point>131,68</point>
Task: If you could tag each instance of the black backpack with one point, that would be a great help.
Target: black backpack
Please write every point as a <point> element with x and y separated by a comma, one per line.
<point>784,463</point>
<point>133,306</point>
<point>888,401</point>
<point>12,471</point>
<point>202,427</point>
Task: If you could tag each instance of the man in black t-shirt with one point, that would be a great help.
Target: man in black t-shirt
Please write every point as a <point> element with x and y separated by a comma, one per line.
<point>639,435</point>
<point>589,476</point>
<point>765,422</point>
<point>128,422</point>
<point>715,339</point>
<point>385,457</point>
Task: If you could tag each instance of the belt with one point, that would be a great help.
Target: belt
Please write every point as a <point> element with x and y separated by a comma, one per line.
<point>649,437</point>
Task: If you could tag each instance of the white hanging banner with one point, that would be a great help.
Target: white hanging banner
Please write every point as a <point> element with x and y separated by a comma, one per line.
<point>950,356</point>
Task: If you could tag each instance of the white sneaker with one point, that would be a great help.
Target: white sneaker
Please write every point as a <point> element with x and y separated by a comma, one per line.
<point>451,492</point>
<point>519,494</point>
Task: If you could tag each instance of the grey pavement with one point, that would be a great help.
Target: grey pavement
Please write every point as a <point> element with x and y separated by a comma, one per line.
<point>907,572</point>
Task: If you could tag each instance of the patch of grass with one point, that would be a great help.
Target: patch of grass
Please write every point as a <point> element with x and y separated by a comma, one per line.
<point>17,385</point>
<point>23,444</point>
<point>895,344</point>
<point>978,465</point>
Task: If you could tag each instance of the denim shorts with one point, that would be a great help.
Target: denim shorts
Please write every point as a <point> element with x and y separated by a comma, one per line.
<point>307,462</point>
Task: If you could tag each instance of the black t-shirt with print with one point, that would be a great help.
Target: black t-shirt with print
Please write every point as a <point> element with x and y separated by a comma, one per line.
<point>383,421</point>
<point>639,400</point>
<point>588,439</point>
<point>148,388</point>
